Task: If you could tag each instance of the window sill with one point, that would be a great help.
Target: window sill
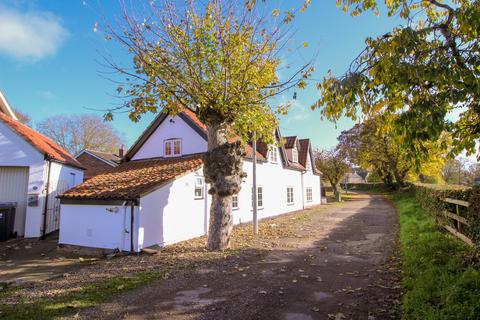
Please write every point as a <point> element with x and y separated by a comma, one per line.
<point>235,209</point>
<point>202,198</point>
<point>259,208</point>
<point>290,204</point>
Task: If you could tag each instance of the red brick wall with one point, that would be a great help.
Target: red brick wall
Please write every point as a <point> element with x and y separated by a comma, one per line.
<point>93,165</point>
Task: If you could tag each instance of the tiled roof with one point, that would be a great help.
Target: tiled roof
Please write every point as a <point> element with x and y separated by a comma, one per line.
<point>40,142</point>
<point>290,141</point>
<point>303,152</point>
<point>132,179</point>
<point>111,157</point>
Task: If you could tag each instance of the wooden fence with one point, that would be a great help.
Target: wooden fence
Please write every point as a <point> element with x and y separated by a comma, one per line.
<point>458,222</point>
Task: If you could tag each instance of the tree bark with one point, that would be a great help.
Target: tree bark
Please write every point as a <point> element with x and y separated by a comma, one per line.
<point>223,164</point>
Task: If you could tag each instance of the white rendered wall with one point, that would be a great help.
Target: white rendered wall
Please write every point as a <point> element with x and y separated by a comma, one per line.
<point>274,180</point>
<point>95,226</point>
<point>313,181</point>
<point>15,151</point>
<point>192,142</point>
<point>172,214</point>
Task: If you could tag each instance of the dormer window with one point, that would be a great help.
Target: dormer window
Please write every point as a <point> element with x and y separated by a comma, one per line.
<point>173,148</point>
<point>295,155</point>
<point>272,154</point>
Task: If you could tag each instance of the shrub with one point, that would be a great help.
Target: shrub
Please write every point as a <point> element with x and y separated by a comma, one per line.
<point>430,198</point>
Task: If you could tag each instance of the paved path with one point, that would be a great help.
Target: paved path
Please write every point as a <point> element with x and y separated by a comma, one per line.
<point>341,265</point>
<point>33,260</point>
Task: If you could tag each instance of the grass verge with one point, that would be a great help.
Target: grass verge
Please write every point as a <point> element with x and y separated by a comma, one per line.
<point>71,303</point>
<point>437,283</point>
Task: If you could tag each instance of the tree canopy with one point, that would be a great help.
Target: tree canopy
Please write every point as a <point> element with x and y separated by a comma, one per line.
<point>423,72</point>
<point>219,59</point>
<point>372,145</point>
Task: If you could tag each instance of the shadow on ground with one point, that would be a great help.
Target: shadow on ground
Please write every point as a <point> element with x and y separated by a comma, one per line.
<point>338,265</point>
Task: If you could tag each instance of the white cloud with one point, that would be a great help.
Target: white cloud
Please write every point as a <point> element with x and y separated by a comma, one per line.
<point>31,35</point>
<point>47,94</point>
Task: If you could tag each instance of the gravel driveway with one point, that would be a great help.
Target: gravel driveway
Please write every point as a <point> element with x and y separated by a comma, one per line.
<point>339,263</point>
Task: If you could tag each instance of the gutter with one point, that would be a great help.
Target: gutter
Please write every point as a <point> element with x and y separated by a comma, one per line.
<point>132,215</point>
<point>45,207</point>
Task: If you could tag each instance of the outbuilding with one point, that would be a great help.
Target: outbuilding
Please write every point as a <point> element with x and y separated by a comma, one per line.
<point>33,171</point>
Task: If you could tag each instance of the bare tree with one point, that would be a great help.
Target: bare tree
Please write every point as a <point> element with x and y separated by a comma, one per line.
<point>77,132</point>
<point>22,117</point>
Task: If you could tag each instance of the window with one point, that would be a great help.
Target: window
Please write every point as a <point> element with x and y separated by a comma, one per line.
<point>294,155</point>
<point>235,202</point>
<point>199,189</point>
<point>73,177</point>
<point>289,195</point>
<point>259,197</point>
<point>272,154</point>
<point>309,194</point>
<point>173,148</point>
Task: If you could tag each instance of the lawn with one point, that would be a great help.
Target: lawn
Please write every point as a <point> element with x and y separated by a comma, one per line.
<point>437,283</point>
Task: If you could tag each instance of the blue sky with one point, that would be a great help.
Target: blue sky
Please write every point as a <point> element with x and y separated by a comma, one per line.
<point>50,60</point>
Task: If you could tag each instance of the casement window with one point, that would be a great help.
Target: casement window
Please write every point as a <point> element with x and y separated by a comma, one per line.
<point>235,202</point>
<point>199,188</point>
<point>289,195</point>
<point>294,155</point>
<point>259,197</point>
<point>309,194</point>
<point>173,148</point>
<point>272,154</point>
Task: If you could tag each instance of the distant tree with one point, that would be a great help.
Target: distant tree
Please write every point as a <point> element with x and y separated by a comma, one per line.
<point>460,171</point>
<point>22,117</point>
<point>334,166</point>
<point>77,132</point>
<point>371,144</point>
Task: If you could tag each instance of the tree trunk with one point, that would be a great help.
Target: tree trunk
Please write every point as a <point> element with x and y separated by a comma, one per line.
<point>222,168</point>
<point>336,192</point>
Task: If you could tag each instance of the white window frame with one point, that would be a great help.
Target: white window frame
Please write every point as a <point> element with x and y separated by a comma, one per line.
<point>172,142</point>
<point>199,185</point>
<point>295,155</point>
<point>235,196</point>
<point>309,192</point>
<point>273,154</point>
<point>259,207</point>
<point>292,196</point>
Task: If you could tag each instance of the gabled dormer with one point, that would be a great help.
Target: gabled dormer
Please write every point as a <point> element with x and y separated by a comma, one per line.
<point>169,137</point>
<point>292,148</point>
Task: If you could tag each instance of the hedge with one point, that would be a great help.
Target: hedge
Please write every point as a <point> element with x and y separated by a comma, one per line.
<point>430,198</point>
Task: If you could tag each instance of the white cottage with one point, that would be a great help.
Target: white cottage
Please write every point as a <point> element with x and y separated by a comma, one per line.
<point>33,171</point>
<point>157,196</point>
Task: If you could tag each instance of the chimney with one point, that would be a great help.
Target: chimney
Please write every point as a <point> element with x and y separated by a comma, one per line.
<point>121,151</point>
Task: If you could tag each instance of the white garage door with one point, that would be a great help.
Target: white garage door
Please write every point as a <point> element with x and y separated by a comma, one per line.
<point>14,188</point>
